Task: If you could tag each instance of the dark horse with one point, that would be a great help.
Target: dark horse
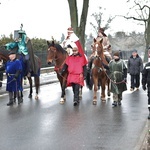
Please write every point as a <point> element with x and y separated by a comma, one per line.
<point>98,72</point>
<point>35,70</point>
<point>58,55</point>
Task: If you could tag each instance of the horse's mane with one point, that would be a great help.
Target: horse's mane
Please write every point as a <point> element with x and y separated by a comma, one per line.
<point>57,46</point>
<point>4,53</point>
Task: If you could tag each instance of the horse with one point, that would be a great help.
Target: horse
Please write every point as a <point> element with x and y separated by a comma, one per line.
<point>58,55</point>
<point>4,55</point>
<point>98,72</point>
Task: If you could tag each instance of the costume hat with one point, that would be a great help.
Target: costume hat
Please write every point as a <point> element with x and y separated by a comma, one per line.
<point>117,54</point>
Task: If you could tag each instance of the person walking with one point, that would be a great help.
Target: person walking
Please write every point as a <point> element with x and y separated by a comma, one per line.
<point>135,67</point>
<point>76,66</point>
<point>14,78</point>
<point>118,75</point>
<point>146,83</point>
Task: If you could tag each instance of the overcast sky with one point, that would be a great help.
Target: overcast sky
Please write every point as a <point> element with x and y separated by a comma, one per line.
<point>46,18</point>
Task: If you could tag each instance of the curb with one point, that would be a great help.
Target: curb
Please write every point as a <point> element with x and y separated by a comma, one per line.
<point>142,143</point>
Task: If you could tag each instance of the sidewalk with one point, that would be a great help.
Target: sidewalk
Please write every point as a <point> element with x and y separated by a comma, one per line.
<point>45,78</point>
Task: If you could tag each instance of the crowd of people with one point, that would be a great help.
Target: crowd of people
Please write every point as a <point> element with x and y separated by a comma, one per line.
<point>77,65</point>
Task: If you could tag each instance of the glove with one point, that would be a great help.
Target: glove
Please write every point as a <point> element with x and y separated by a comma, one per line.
<point>144,87</point>
<point>17,74</point>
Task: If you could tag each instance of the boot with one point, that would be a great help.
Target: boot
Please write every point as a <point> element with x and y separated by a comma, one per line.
<point>10,102</point>
<point>114,103</point>
<point>20,100</point>
<point>11,99</point>
<point>119,102</point>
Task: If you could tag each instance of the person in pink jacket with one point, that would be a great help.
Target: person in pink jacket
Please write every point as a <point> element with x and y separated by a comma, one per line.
<point>76,66</point>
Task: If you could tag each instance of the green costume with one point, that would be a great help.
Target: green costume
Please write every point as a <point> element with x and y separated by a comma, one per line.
<point>25,49</point>
<point>21,43</point>
<point>118,73</point>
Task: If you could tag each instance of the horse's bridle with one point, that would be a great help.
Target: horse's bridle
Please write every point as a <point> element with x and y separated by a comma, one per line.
<point>55,59</point>
<point>96,56</point>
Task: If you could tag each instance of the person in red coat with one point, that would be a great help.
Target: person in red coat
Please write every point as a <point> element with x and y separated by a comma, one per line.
<point>76,66</point>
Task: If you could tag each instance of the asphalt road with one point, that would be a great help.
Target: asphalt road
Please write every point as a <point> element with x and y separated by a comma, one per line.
<point>45,124</point>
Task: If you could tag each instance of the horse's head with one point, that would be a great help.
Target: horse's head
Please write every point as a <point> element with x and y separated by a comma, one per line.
<point>97,47</point>
<point>51,52</point>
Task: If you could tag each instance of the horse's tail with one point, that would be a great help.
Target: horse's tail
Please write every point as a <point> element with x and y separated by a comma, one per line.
<point>89,82</point>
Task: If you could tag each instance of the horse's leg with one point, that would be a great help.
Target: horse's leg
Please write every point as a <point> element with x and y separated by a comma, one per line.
<point>108,84</point>
<point>63,87</point>
<point>37,84</point>
<point>95,80</point>
<point>103,90</point>
<point>30,83</point>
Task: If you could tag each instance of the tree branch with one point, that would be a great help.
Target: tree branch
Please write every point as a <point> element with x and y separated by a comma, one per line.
<point>134,18</point>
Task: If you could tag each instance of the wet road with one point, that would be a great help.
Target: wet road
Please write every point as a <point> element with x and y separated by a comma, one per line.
<point>44,124</point>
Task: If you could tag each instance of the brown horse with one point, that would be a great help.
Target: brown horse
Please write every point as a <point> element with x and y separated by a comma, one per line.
<point>4,56</point>
<point>58,55</point>
<point>98,72</point>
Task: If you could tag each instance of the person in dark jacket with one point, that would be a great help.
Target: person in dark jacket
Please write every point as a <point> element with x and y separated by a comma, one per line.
<point>135,67</point>
<point>14,81</point>
<point>146,83</point>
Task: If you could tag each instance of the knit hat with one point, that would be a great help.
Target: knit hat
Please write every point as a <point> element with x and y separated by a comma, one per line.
<point>117,54</point>
<point>11,52</point>
<point>134,51</point>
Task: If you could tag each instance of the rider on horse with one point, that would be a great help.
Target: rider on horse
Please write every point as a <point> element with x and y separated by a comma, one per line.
<point>23,50</point>
<point>65,44</point>
<point>106,47</point>
<point>72,38</point>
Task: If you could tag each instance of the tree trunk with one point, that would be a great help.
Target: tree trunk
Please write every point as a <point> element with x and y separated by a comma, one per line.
<point>79,29</point>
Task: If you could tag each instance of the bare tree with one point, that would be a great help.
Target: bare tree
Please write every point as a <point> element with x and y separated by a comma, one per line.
<point>142,10</point>
<point>79,29</point>
<point>98,17</point>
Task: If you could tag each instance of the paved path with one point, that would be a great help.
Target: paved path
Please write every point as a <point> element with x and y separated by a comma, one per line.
<point>51,77</point>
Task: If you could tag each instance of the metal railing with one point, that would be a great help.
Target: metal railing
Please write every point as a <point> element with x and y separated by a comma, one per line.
<point>43,70</point>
